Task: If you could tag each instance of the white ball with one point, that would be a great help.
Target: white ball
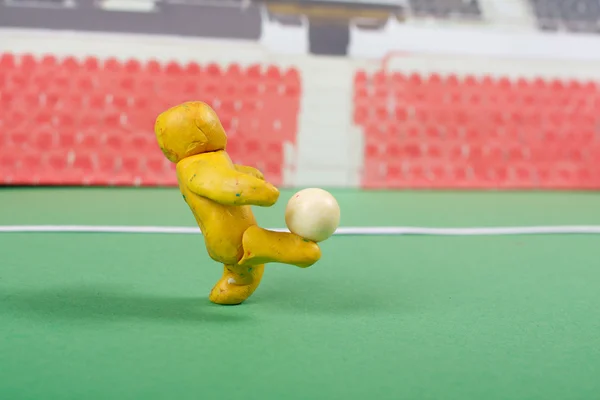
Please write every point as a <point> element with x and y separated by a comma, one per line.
<point>313,214</point>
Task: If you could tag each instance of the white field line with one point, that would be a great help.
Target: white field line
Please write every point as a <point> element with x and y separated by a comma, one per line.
<point>353,231</point>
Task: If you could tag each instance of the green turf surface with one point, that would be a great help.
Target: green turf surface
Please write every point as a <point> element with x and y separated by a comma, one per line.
<point>121,316</point>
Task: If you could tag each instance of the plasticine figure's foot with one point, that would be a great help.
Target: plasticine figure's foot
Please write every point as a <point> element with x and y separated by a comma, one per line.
<point>262,246</point>
<point>237,284</point>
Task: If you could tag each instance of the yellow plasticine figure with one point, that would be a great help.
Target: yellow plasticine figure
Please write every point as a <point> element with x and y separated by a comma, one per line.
<point>220,195</point>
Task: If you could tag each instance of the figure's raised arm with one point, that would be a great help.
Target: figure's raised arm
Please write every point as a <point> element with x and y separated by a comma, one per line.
<point>231,187</point>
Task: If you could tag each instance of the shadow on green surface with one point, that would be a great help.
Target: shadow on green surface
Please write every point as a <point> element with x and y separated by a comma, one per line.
<point>109,304</point>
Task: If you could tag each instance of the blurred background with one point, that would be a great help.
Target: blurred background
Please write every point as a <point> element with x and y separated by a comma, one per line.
<point>387,94</point>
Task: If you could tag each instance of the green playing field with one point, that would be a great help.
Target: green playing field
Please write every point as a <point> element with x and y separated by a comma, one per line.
<point>124,316</point>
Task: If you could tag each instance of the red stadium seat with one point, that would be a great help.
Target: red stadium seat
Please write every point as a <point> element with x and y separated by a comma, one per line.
<point>72,65</point>
<point>173,68</point>
<point>193,69</point>
<point>7,62</point>
<point>153,67</point>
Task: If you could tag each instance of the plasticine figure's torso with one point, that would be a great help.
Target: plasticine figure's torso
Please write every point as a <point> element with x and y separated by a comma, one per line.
<point>222,225</point>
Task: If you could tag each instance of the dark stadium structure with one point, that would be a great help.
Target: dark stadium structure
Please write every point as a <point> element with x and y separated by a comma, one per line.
<point>328,21</point>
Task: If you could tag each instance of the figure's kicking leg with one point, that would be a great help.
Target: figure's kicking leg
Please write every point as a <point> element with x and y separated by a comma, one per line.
<point>237,284</point>
<point>263,246</point>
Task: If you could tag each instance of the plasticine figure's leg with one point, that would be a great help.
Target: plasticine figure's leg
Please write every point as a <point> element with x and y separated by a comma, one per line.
<point>262,246</point>
<point>237,284</point>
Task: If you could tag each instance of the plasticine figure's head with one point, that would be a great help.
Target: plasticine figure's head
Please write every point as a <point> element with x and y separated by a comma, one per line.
<point>188,129</point>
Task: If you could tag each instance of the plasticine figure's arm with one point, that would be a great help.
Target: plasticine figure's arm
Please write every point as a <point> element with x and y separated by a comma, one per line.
<point>250,171</point>
<point>231,187</point>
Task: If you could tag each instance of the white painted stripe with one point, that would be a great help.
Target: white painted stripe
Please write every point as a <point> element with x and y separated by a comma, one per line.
<point>354,231</point>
